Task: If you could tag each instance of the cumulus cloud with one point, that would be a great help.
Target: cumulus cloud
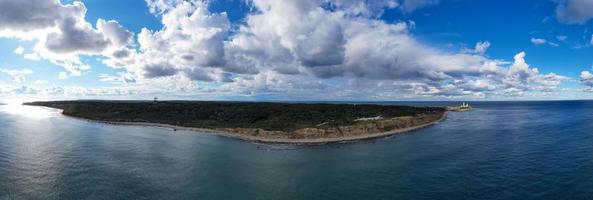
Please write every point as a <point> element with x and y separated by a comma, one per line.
<point>161,6</point>
<point>361,8</point>
<point>114,32</point>
<point>19,50</point>
<point>17,75</point>
<point>574,11</point>
<point>61,32</point>
<point>586,79</point>
<point>480,48</point>
<point>521,76</point>
<point>75,37</point>
<point>317,48</point>
<point>286,37</point>
<point>62,75</point>
<point>32,56</point>
<point>192,38</point>
<point>518,79</point>
<point>289,37</point>
<point>317,43</point>
<point>121,77</point>
<point>21,16</point>
<point>289,40</point>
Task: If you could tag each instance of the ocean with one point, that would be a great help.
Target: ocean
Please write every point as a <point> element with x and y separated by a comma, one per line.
<point>500,150</point>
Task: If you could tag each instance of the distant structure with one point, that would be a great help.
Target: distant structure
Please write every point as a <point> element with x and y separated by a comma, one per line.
<point>463,107</point>
<point>155,100</point>
<point>369,118</point>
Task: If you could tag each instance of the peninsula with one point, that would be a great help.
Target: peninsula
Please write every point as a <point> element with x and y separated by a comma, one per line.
<point>300,123</point>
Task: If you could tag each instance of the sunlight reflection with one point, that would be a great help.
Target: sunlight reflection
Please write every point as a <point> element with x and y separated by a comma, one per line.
<point>16,108</point>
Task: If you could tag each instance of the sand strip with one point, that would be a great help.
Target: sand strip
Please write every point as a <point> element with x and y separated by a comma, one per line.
<point>315,141</point>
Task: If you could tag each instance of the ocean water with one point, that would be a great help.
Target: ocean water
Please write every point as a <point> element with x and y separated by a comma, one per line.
<point>501,150</point>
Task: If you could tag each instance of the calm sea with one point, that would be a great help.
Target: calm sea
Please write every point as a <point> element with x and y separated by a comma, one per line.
<point>501,150</point>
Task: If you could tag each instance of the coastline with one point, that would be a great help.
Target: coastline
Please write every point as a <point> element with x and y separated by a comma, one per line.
<point>308,141</point>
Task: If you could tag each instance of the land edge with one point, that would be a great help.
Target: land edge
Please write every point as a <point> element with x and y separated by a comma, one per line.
<point>310,141</point>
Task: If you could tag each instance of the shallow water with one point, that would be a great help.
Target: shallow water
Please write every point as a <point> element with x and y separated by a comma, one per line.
<point>501,150</point>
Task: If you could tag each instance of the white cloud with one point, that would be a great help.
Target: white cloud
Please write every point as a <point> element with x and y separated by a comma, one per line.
<point>411,5</point>
<point>19,50</point>
<point>289,40</point>
<point>191,42</point>
<point>586,79</point>
<point>540,41</point>
<point>161,6</point>
<point>290,48</point>
<point>574,11</point>
<point>32,56</point>
<point>41,82</point>
<point>518,79</point>
<point>521,76</point>
<point>114,32</point>
<point>62,75</point>
<point>480,48</point>
<point>561,37</point>
<point>61,32</point>
<point>367,9</point>
<point>17,75</point>
<point>22,16</point>
<point>121,77</point>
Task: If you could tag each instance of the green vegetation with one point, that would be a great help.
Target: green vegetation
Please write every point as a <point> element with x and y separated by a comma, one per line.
<point>268,116</point>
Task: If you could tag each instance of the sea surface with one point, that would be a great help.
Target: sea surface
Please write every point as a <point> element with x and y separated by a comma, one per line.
<point>501,150</point>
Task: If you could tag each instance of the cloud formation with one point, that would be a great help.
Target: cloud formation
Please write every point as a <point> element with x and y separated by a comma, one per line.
<point>19,50</point>
<point>411,5</point>
<point>541,41</point>
<point>574,11</point>
<point>318,48</point>
<point>17,75</point>
<point>480,48</point>
<point>61,32</point>
<point>586,79</point>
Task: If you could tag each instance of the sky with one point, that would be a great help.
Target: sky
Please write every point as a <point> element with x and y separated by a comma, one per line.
<point>324,50</point>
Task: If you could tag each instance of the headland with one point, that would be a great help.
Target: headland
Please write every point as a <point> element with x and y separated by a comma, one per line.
<point>295,123</point>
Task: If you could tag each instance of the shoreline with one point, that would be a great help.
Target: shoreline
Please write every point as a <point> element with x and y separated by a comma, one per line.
<point>315,141</point>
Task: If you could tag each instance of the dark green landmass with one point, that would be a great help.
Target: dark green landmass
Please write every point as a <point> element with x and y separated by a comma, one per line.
<point>285,117</point>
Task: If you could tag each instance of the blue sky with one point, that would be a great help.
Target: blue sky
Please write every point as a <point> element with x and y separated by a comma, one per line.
<point>295,50</point>
<point>509,29</point>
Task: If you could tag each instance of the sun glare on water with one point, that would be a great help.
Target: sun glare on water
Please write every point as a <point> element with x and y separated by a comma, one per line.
<point>17,108</point>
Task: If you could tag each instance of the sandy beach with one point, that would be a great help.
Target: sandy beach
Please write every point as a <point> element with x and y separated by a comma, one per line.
<point>315,141</point>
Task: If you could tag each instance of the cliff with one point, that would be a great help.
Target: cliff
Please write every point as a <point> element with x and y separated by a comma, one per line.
<point>356,130</point>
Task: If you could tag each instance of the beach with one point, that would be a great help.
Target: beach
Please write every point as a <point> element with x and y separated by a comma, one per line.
<point>308,141</point>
